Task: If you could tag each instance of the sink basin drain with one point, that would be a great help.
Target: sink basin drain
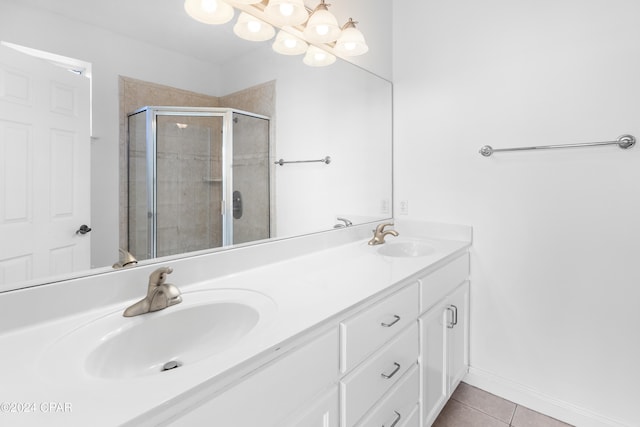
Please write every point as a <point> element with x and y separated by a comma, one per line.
<point>171,365</point>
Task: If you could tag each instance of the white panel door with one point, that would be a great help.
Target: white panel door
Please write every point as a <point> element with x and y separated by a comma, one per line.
<point>44,169</point>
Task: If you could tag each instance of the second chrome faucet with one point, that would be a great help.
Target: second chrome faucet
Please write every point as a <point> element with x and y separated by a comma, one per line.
<point>379,233</point>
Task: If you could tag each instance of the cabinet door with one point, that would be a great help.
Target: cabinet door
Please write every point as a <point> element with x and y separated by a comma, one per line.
<point>322,413</point>
<point>274,392</point>
<point>434,361</point>
<point>458,338</point>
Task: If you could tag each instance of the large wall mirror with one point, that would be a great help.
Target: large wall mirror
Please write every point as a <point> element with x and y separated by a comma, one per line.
<point>135,54</point>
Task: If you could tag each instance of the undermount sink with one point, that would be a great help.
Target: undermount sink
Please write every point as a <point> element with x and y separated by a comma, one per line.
<point>406,249</point>
<point>206,323</point>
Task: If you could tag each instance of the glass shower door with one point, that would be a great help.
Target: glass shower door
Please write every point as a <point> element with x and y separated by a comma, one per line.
<point>138,224</point>
<point>251,187</point>
<point>189,180</point>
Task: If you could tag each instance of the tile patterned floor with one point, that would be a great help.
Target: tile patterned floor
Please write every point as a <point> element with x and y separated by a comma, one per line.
<point>471,407</point>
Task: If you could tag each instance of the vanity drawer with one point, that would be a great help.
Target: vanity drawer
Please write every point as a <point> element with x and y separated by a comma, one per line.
<point>371,380</point>
<point>439,283</point>
<point>363,333</point>
<point>400,405</point>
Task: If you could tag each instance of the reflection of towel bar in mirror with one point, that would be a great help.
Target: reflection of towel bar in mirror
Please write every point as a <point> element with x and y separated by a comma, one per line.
<point>624,141</point>
<point>326,160</point>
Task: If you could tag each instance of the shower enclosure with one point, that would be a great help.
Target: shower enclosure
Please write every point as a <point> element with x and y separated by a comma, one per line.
<point>198,179</point>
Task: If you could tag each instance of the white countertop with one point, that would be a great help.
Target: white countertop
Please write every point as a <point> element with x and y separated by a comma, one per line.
<point>307,291</point>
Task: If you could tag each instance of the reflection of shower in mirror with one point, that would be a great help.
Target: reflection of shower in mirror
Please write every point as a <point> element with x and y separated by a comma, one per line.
<point>186,169</point>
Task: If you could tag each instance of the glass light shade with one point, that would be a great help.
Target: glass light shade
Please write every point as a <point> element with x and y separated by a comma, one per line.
<point>244,1</point>
<point>317,57</point>
<point>286,12</point>
<point>209,11</point>
<point>288,44</point>
<point>322,26</point>
<point>351,41</point>
<point>251,28</point>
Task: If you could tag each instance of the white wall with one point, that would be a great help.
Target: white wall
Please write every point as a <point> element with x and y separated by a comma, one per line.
<point>373,19</point>
<point>353,130</point>
<point>339,111</point>
<point>555,277</point>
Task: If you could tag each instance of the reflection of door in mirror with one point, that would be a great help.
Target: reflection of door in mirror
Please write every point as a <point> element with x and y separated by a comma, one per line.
<point>44,168</point>
<point>181,179</point>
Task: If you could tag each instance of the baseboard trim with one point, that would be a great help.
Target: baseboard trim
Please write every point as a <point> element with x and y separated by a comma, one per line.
<point>525,396</point>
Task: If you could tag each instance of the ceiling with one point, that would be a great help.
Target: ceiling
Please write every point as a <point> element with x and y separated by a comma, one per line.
<point>162,23</point>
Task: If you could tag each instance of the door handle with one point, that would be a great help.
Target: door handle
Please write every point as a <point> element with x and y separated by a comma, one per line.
<point>451,323</point>
<point>455,314</point>
<point>84,229</point>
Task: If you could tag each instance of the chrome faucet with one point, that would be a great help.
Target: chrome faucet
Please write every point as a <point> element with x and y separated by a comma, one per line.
<point>346,223</point>
<point>126,259</point>
<point>160,295</point>
<point>379,233</point>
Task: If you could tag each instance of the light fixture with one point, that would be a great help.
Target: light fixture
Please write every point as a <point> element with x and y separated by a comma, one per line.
<point>288,44</point>
<point>322,26</point>
<point>317,57</point>
<point>253,29</point>
<point>209,11</point>
<point>351,41</point>
<point>301,31</point>
<point>287,12</point>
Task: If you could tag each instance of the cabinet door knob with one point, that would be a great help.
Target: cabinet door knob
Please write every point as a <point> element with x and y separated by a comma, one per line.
<point>388,325</point>
<point>395,371</point>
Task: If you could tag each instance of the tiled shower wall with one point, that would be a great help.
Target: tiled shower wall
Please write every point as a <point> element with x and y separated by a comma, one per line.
<point>189,184</point>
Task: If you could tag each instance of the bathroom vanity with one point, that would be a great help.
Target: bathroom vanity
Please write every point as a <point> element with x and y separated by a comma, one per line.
<point>322,330</point>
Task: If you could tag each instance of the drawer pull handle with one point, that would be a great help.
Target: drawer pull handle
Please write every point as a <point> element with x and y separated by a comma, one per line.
<point>395,371</point>
<point>388,325</point>
<point>396,421</point>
